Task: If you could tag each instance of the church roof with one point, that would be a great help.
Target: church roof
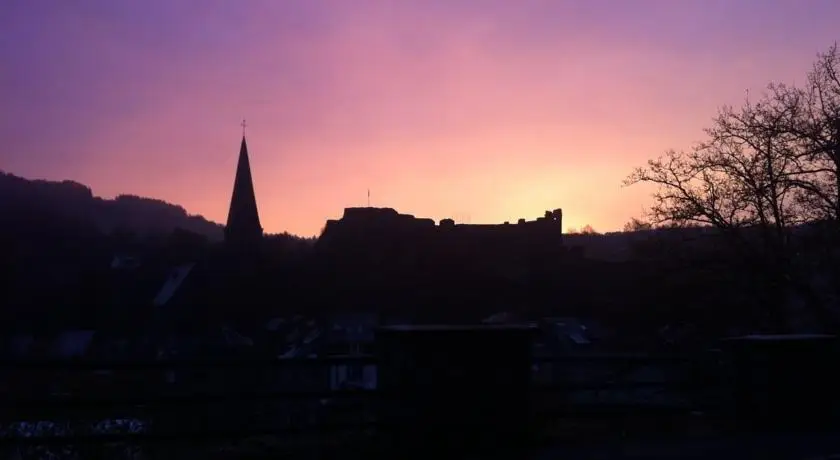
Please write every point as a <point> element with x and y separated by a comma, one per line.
<point>243,220</point>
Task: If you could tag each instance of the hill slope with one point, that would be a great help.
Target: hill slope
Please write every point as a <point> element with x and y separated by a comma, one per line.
<point>42,206</point>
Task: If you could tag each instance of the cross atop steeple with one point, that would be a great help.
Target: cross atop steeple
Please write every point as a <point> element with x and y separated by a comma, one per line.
<point>243,125</point>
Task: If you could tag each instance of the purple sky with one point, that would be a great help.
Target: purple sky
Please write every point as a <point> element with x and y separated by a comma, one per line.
<point>495,110</point>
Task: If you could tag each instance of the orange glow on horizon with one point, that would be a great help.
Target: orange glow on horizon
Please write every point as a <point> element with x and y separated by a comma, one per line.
<point>440,110</point>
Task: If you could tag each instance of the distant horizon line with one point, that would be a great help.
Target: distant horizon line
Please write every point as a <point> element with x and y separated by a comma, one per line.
<point>212,221</point>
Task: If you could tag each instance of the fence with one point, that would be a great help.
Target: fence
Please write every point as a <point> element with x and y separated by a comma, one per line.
<point>439,383</point>
<point>579,387</point>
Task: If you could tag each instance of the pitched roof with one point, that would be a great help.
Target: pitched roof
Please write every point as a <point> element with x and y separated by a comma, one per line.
<point>172,283</point>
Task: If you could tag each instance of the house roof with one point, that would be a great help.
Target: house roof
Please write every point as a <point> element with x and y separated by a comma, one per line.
<point>170,286</point>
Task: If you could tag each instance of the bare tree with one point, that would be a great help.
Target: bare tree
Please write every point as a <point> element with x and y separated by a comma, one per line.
<point>588,230</point>
<point>736,180</point>
<point>818,128</point>
<point>751,179</point>
<point>637,225</point>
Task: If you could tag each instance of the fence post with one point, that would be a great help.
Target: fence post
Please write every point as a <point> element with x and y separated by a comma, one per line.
<point>455,389</point>
<point>784,381</point>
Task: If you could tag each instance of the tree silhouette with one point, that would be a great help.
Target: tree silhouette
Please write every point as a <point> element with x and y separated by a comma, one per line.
<point>817,127</point>
<point>637,225</point>
<point>764,169</point>
<point>588,230</point>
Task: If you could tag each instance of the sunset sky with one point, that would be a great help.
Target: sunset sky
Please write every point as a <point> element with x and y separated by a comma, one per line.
<point>483,111</point>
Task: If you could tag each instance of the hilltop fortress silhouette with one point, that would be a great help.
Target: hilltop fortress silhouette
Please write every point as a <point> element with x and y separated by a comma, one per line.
<point>369,219</point>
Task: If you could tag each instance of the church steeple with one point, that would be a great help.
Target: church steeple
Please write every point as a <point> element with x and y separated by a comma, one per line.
<point>243,222</point>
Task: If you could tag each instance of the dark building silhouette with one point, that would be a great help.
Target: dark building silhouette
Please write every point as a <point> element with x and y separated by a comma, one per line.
<point>386,248</point>
<point>243,222</point>
<point>379,224</point>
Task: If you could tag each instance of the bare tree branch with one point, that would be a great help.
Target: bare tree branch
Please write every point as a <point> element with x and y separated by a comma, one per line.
<point>764,169</point>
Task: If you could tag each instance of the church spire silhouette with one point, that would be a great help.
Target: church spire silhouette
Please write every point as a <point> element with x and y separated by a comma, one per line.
<point>243,222</point>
